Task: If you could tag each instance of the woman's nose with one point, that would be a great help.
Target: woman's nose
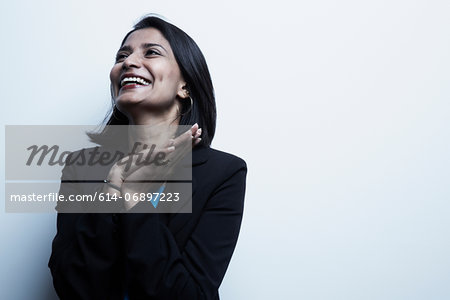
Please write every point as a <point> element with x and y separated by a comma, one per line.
<point>132,61</point>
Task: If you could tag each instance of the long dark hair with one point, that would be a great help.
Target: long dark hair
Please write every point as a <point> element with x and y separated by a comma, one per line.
<point>195,72</point>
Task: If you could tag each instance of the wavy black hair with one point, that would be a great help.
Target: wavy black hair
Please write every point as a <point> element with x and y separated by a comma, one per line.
<point>195,72</point>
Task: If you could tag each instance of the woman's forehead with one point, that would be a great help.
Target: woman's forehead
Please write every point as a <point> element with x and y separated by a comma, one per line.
<point>146,35</point>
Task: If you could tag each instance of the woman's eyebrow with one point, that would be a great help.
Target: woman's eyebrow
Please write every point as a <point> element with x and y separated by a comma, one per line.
<point>125,48</point>
<point>149,45</point>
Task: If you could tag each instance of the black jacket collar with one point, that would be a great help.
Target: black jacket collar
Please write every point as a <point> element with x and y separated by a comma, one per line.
<point>200,155</point>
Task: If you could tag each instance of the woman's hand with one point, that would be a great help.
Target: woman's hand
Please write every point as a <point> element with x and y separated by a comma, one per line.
<point>136,173</point>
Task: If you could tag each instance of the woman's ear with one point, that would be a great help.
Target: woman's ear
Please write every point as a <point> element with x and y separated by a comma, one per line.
<point>183,91</point>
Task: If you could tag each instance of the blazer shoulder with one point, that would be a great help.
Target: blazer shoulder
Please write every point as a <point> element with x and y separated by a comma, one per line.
<point>77,155</point>
<point>87,164</point>
<point>226,160</point>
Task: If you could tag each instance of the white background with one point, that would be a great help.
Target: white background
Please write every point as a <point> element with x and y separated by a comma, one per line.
<point>340,108</point>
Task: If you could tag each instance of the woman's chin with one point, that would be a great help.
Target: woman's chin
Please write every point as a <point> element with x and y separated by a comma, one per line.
<point>125,100</point>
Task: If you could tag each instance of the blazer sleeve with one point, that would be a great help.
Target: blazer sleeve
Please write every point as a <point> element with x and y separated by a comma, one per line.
<point>158,269</point>
<point>83,251</point>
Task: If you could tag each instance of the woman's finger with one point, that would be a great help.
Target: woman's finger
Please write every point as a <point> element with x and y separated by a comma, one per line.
<point>198,133</point>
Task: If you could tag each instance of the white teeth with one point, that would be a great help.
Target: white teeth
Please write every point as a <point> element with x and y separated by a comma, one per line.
<point>134,79</point>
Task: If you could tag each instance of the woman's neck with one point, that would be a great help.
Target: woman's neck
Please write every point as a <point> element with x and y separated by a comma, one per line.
<point>152,130</point>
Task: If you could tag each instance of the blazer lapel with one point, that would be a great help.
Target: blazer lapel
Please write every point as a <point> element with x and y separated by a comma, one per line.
<point>177,221</point>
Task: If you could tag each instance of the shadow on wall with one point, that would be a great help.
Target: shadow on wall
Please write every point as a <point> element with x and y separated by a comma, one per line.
<point>48,292</point>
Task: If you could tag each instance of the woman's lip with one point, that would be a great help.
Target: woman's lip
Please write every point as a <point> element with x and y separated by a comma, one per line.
<point>132,86</point>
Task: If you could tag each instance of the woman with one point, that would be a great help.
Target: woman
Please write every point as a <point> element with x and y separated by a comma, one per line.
<point>160,78</point>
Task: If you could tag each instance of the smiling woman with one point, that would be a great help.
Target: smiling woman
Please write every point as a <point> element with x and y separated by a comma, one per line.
<point>153,44</point>
<point>160,78</point>
<point>152,81</point>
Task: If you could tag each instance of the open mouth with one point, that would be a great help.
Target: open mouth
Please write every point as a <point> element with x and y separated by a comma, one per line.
<point>133,82</point>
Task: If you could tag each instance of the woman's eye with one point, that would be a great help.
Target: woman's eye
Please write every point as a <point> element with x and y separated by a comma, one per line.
<point>151,52</point>
<point>120,57</point>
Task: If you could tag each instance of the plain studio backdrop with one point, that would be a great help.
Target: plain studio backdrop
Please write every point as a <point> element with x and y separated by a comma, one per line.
<point>340,109</point>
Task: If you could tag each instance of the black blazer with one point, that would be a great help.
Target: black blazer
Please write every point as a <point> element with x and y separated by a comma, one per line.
<point>153,256</point>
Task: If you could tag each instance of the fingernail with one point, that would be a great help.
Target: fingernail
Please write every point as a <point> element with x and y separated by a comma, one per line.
<point>171,148</point>
<point>194,125</point>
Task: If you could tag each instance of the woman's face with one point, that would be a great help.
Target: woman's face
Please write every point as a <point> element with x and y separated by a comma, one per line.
<point>146,76</point>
